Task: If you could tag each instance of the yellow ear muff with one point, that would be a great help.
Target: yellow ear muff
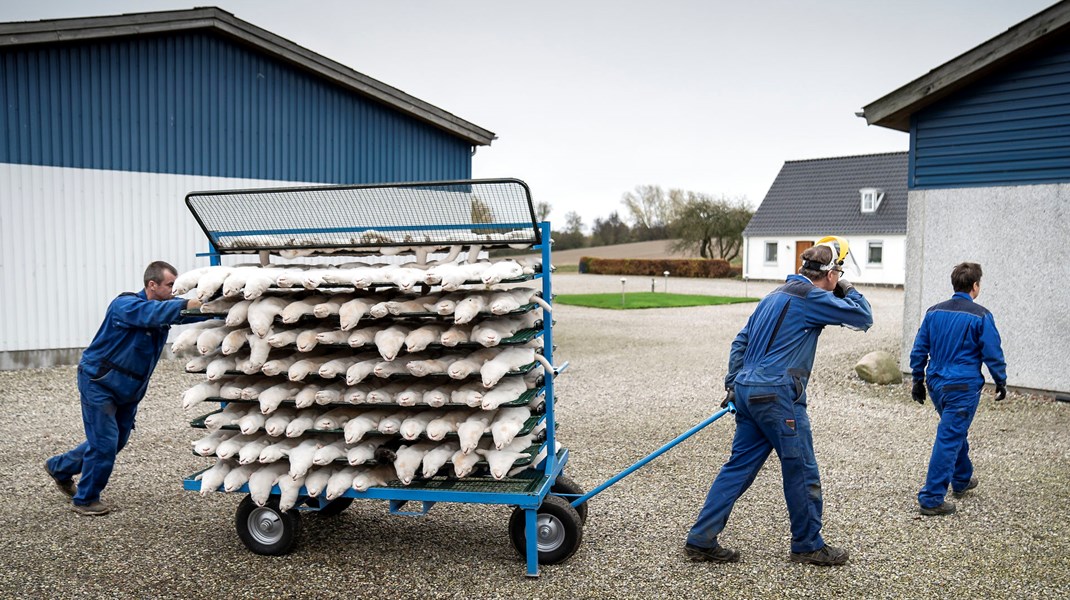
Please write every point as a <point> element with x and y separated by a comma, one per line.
<point>839,246</point>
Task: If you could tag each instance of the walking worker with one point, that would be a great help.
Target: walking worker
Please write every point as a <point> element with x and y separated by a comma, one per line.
<point>768,369</point>
<point>955,337</point>
<point>113,376</point>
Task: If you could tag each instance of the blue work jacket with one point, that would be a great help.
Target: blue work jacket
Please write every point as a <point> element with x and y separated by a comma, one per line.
<point>955,337</point>
<point>778,344</point>
<point>126,348</point>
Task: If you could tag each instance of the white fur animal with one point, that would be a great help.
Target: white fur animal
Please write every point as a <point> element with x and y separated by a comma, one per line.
<point>471,363</point>
<point>256,385</point>
<point>300,308</point>
<point>213,477</point>
<point>421,337</point>
<point>434,366</point>
<point>403,277</point>
<point>302,368</point>
<point>507,423</point>
<point>358,426</point>
<point>357,394</point>
<point>511,300</point>
<point>278,366</point>
<point>437,396</point>
<point>457,334</point>
<point>289,490</point>
<point>228,416</point>
<point>235,281</point>
<point>210,339</point>
<point>377,477</point>
<point>336,418</point>
<point>238,313</point>
<point>231,446</point>
<point>331,305</point>
<point>491,332</point>
<point>317,479</point>
<point>391,424</point>
<point>219,367</point>
<point>384,394</point>
<point>259,350</point>
<point>301,423</point>
<point>307,396</point>
<point>363,452</point>
<point>416,424</point>
<point>301,457</point>
<point>328,453</point>
<point>465,462</point>
<point>390,340</point>
<point>258,283</point>
<point>277,451</point>
<point>411,395</point>
<point>263,479</point>
<point>500,461</point>
<point>199,393</point>
<point>469,308</point>
<point>409,458</point>
<point>448,303</point>
<point>502,270</point>
<point>237,477</point>
<point>333,337</point>
<point>364,336</point>
<point>331,394</point>
<point>231,388</point>
<point>188,280</point>
<point>386,368</point>
<point>207,445</point>
<point>252,421</point>
<point>250,452</point>
<point>507,390</point>
<point>219,306</point>
<point>436,458</point>
<point>335,367</point>
<point>234,340</point>
<point>473,428</point>
<point>309,338</point>
<point>275,425</point>
<point>361,370</point>
<point>271,398</point>
<point>199,364</point>
<point>340,482</point>
<point>210,281</point>
<point>283,337</point>
<point>447,423</point>
<point>468,394</point>
<point>351,312</point>
<point>262,313</point>
<point>510,359</point>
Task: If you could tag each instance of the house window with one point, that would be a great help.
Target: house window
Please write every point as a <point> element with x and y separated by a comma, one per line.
<point>770,252</point>
<point>876,253</point>
<point>871,199</point>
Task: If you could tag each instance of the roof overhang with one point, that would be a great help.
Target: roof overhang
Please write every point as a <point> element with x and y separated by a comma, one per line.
<point>91,28</point>
<point>894,110</point>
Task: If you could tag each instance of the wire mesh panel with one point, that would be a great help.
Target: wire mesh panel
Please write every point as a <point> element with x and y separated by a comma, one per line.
<point>366,217</point>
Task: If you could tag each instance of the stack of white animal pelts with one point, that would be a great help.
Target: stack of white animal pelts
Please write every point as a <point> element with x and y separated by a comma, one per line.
<point>359,375</point>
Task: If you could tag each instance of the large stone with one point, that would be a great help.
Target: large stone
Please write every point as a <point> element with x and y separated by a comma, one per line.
<point>879,367</point>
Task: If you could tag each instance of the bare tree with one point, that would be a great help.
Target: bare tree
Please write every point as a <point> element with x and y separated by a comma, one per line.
<point>542,210</point>
<point>572,236</point>
<point>713,226</point>
<point>649,211</point>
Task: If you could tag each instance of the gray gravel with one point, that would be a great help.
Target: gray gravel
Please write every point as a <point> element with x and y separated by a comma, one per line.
<point>636,380</point>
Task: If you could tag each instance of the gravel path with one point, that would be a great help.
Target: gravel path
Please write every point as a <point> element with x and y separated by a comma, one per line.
<point>638,378</point>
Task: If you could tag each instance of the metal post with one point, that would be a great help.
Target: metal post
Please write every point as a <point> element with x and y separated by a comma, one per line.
<point>666,282</point>
<point>622,280</point>
<point>651,285</point>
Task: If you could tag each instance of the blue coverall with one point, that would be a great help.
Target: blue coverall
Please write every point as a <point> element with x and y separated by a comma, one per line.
<point>769,367</point>
<point>955,337</point>
<point>113,376</point>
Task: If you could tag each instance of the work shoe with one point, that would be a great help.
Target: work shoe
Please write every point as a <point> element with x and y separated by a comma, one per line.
<point>66,486</point>
<point>827,556</point>
<point>716,554</point>
<point>969,486</point>
<point>946,508</point>
<point>94,509</point>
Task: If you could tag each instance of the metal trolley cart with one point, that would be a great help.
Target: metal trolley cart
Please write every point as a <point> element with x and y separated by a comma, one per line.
<point>411,218</point>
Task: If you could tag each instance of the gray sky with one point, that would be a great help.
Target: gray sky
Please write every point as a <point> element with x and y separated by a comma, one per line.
<point>590,98</point>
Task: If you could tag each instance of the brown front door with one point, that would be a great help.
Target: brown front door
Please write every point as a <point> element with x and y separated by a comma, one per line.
<point>800,247</point>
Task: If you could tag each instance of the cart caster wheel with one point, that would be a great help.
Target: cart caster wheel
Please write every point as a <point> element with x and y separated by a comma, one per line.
<point>334,507</point>
<point>565,485</point>
<point>266,529</point>
<point>559,530</point>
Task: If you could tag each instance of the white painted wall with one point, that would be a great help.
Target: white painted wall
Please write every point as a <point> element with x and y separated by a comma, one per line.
<point>890,271</point>
<point>73,239</point>
<point>1021,237</point>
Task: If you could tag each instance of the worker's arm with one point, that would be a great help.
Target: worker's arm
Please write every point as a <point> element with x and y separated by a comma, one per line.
<point>992,350</point>
<point>134,311</point>
<point>853,310</point>
<point>735,356</point>
<point>919,354</point>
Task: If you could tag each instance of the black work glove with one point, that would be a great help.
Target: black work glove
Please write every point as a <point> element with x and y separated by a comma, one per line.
<point>918,392</point>
<point>1001,391</point>
<point>729,397</point>
<point>842,287</point>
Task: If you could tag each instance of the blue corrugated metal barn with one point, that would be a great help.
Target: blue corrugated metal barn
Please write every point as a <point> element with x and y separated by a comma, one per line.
<point>106,123</point>
<point>989,182</point>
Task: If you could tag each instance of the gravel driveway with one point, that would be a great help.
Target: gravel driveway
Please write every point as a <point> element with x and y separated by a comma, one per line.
<point>637,379</point>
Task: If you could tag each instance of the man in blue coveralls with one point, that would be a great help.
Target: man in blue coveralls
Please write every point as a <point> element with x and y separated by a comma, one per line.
<point>113,376</point>
<point>768,369</point>
<point>955,337</point>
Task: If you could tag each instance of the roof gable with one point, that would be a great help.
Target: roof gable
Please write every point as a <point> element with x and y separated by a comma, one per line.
<point>821,197</point>
<point>1017,43</point>
<point>211,18</point>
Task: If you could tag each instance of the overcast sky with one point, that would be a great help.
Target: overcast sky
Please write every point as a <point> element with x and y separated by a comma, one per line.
<point>590,98</point>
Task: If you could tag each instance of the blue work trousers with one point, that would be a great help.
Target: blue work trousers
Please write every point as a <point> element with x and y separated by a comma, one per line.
<point>767,418</point>
<point>108,424</point>
<point>950,461</point>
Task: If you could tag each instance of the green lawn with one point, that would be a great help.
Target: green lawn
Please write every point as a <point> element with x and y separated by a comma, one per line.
<point>645,300</point>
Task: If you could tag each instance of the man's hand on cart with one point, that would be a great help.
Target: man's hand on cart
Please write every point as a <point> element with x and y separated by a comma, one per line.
<point>730,396</point>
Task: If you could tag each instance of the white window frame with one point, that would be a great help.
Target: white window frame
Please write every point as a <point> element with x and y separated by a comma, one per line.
<point>870,199</point>
<point>869,253</point>
<point>776,252</point>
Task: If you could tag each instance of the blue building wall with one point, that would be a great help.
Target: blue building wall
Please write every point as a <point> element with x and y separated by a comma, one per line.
<point>201,104</point>
<point>1012,128</point>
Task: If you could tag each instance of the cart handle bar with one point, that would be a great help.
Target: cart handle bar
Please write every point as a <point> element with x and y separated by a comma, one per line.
<point>683,436</point>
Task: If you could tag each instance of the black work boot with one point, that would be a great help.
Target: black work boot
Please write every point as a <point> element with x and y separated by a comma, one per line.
<point>65,485</point>
<point>716,554</point>
<point>969,486</point>
<point>946,508</point>
<point>826,556</point>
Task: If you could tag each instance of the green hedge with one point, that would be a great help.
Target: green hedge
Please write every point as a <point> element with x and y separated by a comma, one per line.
<point>677,267</point>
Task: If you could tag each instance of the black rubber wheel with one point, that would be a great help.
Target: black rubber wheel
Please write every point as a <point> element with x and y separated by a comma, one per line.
<point>266,529</point>
<point>334,507</point>
<point>565,485</point>
<point>558,527</point>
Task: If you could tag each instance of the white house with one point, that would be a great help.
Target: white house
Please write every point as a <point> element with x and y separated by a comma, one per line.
<point>860,198</point>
